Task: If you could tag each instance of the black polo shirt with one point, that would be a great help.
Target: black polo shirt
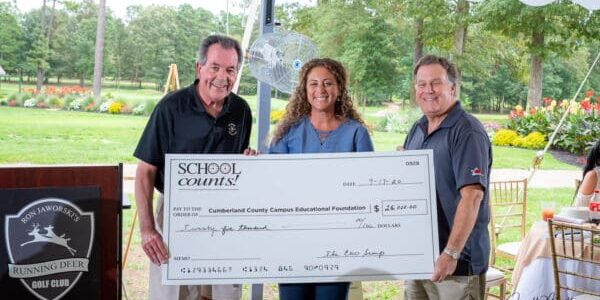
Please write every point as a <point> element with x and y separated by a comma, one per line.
<point>462,155</point>
<point>180,124</point>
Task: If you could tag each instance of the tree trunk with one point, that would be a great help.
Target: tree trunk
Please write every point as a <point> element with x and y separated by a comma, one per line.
<point>118,73</point>
<point>40,66</point>
<point>418,51</point>
<point>51,25</point>
<point>97,85</point>
<point>534,95</point>
<point>81,80</point>
<point>460,36</point>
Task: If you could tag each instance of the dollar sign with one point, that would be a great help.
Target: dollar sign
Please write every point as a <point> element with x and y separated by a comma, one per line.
<point>376,208</point>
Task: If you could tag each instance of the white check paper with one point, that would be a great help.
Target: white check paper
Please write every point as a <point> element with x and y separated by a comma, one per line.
<point>299,218</point>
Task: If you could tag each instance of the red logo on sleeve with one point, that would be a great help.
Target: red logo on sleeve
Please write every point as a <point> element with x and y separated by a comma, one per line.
<point>476,172</point>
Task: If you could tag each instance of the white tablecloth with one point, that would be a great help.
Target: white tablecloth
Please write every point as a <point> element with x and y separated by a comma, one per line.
<point>537,279</point>
<point>534,270</point>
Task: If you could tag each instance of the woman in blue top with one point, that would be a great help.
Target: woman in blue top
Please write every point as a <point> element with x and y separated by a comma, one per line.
<point>320,118</point>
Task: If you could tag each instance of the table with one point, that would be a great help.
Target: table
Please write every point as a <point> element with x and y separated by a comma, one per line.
<point>533,273</point>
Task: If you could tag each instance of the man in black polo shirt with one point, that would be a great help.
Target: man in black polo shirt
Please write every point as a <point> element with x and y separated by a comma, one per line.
<point>202,118</point>
<point>462,160</point>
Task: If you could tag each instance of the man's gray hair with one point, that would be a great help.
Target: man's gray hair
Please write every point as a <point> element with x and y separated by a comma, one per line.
<point>451,71</point>
<point>225,42</point>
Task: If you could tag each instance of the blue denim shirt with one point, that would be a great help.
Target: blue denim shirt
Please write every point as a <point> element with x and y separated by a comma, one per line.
<point>302,137</point>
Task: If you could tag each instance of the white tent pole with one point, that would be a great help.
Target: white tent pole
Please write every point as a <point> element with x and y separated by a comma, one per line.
<point>267,23</point>
<point>251,16</point>
<point>540,155</point>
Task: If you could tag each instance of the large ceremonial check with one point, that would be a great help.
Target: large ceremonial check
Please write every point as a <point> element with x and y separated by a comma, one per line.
<point>299,217</point>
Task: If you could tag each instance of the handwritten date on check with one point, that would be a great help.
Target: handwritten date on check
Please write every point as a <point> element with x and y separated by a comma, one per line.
<point>299,217</point>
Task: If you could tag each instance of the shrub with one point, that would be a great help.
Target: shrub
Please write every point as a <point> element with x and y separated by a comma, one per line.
<point>68,99</point>
<point>29,102</point>
<point>504,137</point>
<point>125,109</point>
<point>534,140</point>
<point>276,115</point>
<point>75,104</point>
<point>399,121</point>
<point>88,100</point>
<point>21,98</point>
<point>149,106</point>
<point>104,106</point>
<point>89,107</point>
<point>40,101</point>
<point>56,102</point>
<point>517,141</point>
<point>139,110</point>
<point>3,102</point>
<point>12,96</point>
<point>114,108</point>
<point>581,127</point>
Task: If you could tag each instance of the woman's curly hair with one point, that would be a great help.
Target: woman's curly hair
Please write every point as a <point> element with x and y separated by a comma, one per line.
<point>298,107</point>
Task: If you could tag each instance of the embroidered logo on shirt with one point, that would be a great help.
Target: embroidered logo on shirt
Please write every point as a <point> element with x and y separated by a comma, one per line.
<point>231,129</point>
<point>476,172</point>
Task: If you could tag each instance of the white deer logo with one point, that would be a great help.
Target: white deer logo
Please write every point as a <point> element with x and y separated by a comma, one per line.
<point>49,237</point>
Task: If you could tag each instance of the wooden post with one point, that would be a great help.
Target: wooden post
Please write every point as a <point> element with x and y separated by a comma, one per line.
<point>172,79</point>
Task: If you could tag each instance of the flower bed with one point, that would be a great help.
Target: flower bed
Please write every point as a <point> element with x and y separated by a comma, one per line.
<point>580,130</point>
<point>75,98</point>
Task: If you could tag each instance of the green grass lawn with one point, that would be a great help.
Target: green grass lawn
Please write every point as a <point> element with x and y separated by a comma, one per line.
<point>42,136</point>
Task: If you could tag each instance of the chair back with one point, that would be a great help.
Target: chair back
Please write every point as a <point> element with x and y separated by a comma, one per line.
<point>575,259</point>
<point>508,204</point>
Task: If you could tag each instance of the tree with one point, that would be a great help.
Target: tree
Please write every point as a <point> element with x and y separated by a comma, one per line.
<point>41,50</point>
<point>12,37</point>
<point>555,28</point>
<point>364,43</point>
<point>426,22</point>
<point>99,52</point>
<point>460,37</point>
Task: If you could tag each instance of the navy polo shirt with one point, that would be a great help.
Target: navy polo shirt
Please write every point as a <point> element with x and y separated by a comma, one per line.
<point>180,124</point>
<point>462,155</point>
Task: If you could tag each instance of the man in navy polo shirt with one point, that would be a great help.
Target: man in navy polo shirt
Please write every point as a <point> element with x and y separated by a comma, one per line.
<point>462,160</point>
<point>202,118</point>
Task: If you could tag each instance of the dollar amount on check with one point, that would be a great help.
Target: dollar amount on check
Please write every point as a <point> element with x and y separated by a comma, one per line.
<point>299,218</point>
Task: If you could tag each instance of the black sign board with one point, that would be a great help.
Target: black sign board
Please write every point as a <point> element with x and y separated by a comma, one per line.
<point>51,240</point>
<point>61,236</point>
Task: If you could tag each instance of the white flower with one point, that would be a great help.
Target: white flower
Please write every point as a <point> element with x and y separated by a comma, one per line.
<point>138,110</point>
<point>29,103</point>
<point>104,106</point>
<point>75,104</point>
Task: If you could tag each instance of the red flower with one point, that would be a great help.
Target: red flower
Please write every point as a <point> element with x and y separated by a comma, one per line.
<point>585,104</point>
<point>547,101</point>
<point>589,93</point>
<point>532,111</point>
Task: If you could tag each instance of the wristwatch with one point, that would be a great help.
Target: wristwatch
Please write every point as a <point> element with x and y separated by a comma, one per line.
<point>454,254</point>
